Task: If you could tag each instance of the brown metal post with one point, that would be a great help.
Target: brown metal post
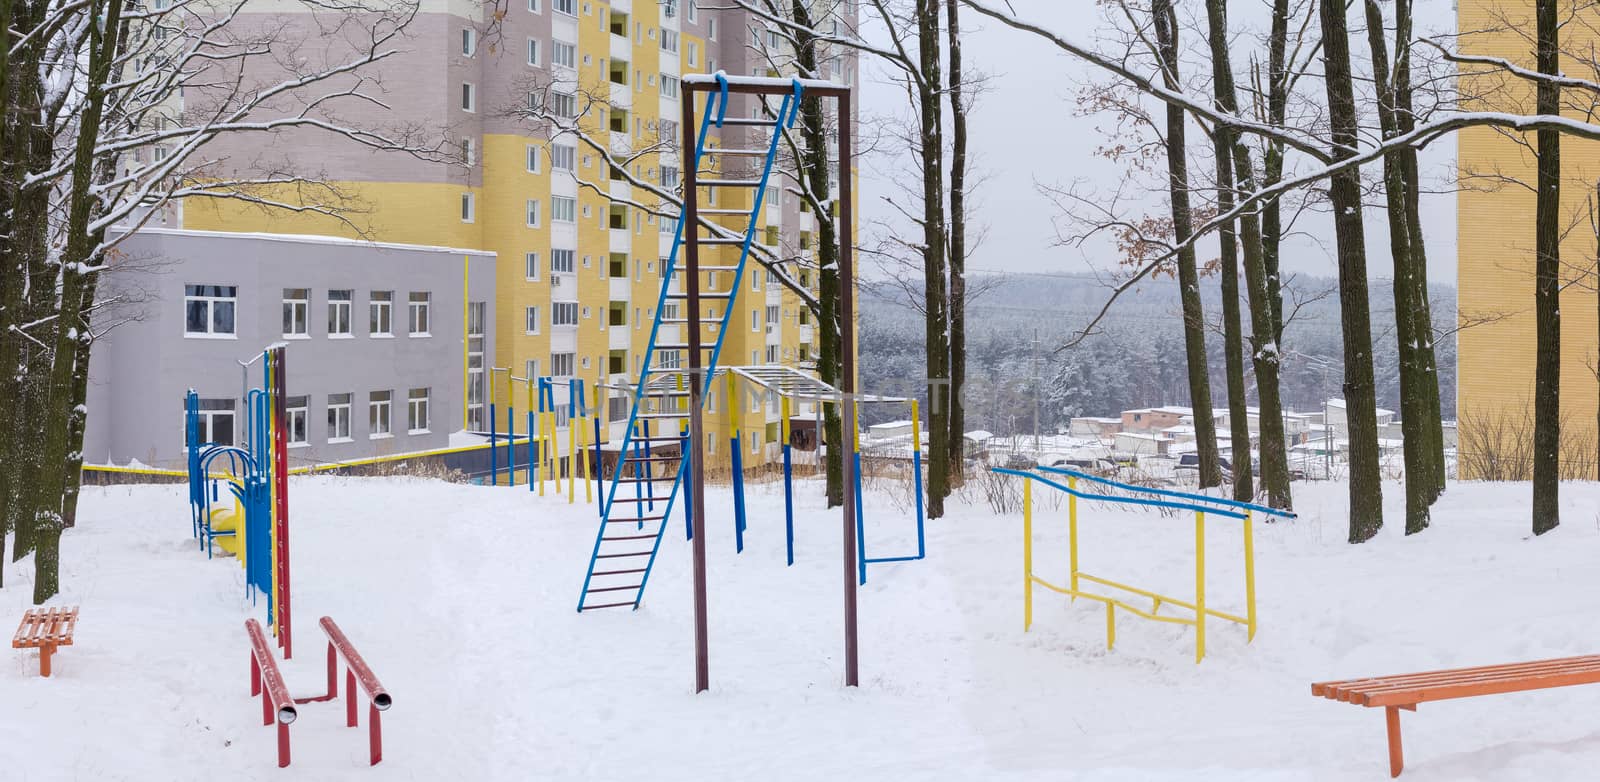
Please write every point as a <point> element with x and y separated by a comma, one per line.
<point>696,455</point>
<point>847,383</point>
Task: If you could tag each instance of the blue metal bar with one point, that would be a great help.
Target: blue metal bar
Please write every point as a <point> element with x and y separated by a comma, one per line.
<point>1122,500</point>
<point>788,505</point>
<point>738,496</point>
<point>511,445</point>
<point>861,528</point>
<point>1170,493</point>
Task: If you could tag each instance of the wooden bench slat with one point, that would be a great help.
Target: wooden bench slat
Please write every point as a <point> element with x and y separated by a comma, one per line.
<point>1353,688</point>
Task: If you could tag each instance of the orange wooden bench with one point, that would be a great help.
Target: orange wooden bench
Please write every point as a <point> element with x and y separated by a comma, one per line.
<point>45,629</point>
<point>1406,691</point>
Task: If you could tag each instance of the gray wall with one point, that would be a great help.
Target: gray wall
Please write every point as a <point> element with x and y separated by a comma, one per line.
<point>139,370</point>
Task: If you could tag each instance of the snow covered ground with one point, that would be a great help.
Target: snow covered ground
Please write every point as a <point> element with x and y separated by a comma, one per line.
<point>462,598</point>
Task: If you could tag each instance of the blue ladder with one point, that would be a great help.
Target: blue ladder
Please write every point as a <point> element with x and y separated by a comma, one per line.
<point>653,463</point>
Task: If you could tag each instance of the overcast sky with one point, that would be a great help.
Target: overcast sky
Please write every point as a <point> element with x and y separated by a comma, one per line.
<point>1025,132</point>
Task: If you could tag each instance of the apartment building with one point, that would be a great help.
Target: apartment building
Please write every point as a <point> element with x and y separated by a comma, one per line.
<point>580,264</point>
<point>1495,253</point>
<point>386,343</point>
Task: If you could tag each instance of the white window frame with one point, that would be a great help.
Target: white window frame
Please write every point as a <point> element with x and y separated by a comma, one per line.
<point>339,417</point>
<point>380,314</point>
<point>340,312</point>
<point>380,410</point>
<point>419,306</point>
<point>225,296</point>
<point>417,411</point>
<point>297,313</point>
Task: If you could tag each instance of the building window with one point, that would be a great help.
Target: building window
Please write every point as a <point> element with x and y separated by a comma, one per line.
<point>564,105</point>
<point>532,161</point>
<point>216,421</point>
<point>568,7</point>
<point>561,364</point>
<point>561,261</point>
<point>476,316</point>
<point>339,313</point>
<point>416,411</point>
<point>338,418</point>
<point>469,41</point>
<point>208,310</point>
<point>532,320</point>
<point>563,313</point>
<point>530,269</point>
<point>468,208</point>
<point>378,413</point>
<point>294,414</point>
<point>469,97</point>
<point>296,304</point>
<point>561,156</point>
<point>379,308</point>
<point>563,209</point>
<point>563,54</point>
<point>417,313</point>
<point>533,51</point>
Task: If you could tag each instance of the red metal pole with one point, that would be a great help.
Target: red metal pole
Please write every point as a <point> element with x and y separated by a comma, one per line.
<point>374,733</point>
<point>280,458</point>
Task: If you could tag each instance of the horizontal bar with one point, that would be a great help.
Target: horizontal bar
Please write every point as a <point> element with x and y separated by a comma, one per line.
<point>1114,499</point>
<point>1170,493</point>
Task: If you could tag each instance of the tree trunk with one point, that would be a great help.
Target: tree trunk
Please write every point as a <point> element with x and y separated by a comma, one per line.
<point>1547,287</point>
<point>1414,408</point>
<point>1433,420</point>
<point>1233,329</point>
<point>933,257</point>
<point>1194,319</point>
<point>817,174</point>
<point>1344,191</point>
<point>1264,342</point>
<point>958,245</point>
<point>1272,165</point>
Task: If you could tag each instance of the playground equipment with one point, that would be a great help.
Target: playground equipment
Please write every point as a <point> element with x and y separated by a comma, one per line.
<point>1199,504</point>
<point>277,706</point>
<point>257,480</point>
<point>46,629</point>
<point>657,461</point>
<point>1394,693</point>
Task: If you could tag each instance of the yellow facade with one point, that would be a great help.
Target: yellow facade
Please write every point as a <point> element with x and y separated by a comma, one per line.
<point>1495,247</point>
<point>501,185</point>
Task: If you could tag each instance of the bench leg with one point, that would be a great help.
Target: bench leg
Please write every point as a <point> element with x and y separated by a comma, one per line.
<point>45,651</point>
<point>1391,716</point>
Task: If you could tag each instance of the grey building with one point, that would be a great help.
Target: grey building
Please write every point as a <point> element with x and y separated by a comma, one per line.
<point>386,343</point>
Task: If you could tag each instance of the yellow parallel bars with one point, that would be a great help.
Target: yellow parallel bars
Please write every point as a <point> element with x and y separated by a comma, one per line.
<point>1201,611</point>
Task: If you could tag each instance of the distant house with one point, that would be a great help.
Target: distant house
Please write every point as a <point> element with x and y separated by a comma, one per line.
<point>1153,419</point>
<point>1094,428</point>
<point>1140,444</point>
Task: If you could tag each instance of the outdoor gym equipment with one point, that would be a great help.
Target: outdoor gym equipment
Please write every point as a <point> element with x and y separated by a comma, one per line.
<point>1199,504</point>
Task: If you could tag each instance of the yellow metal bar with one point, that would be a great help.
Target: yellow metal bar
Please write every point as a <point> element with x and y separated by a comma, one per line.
<point>466,342</point>
<point>1027,555</point>
<point>1199,586</point>
<point>1249,578</point>
<point>1072,531</point>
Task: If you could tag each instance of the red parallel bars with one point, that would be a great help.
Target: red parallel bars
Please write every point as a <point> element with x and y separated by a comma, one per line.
<point>266,681</point>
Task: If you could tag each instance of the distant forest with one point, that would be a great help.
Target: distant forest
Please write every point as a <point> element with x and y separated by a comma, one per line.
<point>1017,325</point>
